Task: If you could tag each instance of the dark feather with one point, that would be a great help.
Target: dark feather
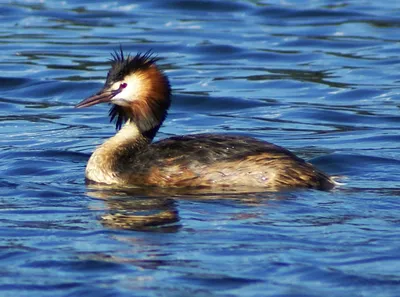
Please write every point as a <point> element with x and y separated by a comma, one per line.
<point>118,115</point>
<point>122,65</point>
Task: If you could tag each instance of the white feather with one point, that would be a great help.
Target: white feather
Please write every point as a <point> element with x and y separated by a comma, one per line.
<point>131,92</point>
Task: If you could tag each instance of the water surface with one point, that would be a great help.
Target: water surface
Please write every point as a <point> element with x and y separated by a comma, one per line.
<point>318,77</point>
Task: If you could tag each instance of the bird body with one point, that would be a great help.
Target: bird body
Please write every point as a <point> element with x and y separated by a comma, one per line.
<point>140,94</point>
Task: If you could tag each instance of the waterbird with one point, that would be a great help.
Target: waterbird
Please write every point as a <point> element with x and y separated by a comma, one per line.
<point>140,95</point>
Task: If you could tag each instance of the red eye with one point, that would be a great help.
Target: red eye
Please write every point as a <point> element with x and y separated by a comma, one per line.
<point>123,85</point>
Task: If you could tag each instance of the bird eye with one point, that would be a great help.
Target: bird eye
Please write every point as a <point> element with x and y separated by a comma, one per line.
<point>123,85</point>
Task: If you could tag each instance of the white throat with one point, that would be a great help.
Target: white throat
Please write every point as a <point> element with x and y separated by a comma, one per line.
<point>104,164</point>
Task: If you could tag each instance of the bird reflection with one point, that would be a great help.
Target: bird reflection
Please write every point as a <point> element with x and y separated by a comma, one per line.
<point>155,209</point>
<point>136,209</point>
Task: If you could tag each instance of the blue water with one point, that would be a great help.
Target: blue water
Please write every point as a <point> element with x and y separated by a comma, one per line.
<point>321,78</point>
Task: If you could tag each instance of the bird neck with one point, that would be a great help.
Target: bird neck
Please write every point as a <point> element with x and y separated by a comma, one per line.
<point>111,158</point>
<point>129,135</point>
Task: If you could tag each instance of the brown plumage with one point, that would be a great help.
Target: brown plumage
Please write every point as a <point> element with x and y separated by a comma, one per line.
<point>140,97</point>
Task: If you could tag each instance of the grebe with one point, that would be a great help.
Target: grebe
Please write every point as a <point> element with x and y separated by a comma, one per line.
<point>140,95</point>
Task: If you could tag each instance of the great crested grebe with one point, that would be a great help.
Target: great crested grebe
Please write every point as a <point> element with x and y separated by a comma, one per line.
<point>140,94</point>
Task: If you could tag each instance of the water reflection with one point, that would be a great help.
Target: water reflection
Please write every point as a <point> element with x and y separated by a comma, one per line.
<point>155,209</point>
<point>136,209</point>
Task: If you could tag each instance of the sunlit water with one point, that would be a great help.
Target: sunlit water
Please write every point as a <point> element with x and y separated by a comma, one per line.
<point>318,77</point>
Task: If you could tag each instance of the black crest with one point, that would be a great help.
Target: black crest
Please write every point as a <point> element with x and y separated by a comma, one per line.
<point>122,65</point>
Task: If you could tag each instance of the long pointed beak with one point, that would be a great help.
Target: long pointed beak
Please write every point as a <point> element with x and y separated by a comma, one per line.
<point>100,97</point>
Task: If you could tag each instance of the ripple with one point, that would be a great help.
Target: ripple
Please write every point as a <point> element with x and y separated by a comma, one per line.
<point>320,78</point>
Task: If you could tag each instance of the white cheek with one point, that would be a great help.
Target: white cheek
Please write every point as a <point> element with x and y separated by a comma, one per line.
<point>131,91</point>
